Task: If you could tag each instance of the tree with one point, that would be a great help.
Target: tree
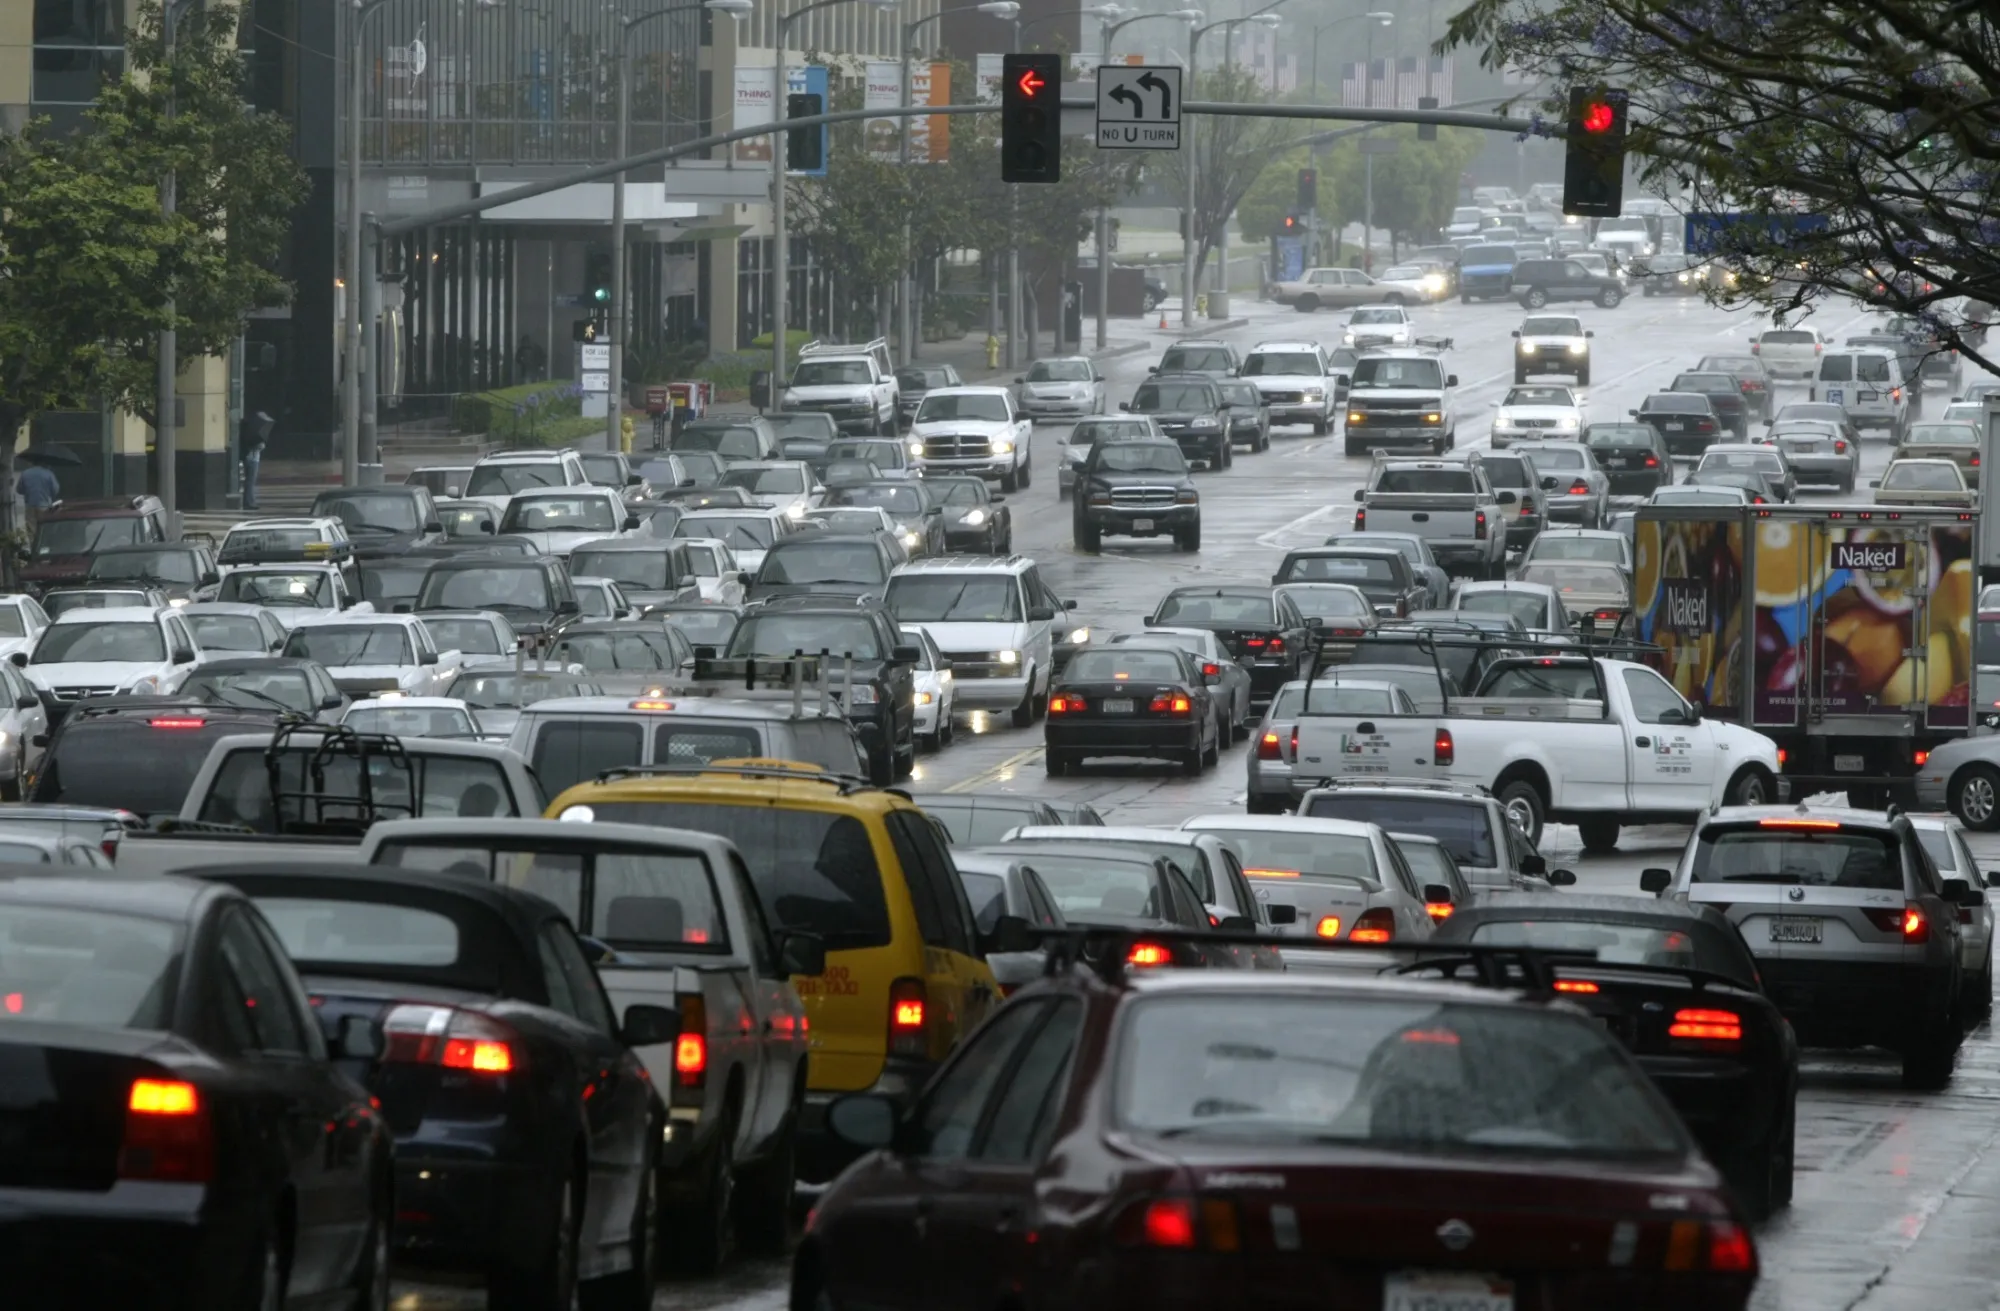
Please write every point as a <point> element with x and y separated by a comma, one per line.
<point>1229,153</point>
<point>1880,117</point>
<point>1416,186</point>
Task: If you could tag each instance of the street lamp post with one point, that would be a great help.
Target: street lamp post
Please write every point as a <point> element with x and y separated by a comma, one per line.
<point>1110,30</point>
<point>1263,18</point>
<point>1368,160</point>
<point>1004,10</point>
<point>1377,16</point>
<point>166,443</point>
<point>615,406</point>
<point>781,259</point>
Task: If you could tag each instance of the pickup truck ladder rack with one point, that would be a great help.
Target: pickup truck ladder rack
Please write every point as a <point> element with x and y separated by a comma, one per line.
<point>335,741</point>
<point>1466,636</point>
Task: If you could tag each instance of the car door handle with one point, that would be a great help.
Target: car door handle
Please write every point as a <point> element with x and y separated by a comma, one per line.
<point>1642,741</point>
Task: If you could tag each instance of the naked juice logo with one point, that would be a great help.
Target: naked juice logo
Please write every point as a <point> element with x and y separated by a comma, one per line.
<point>1684,607</point>
<point>1869,557</point>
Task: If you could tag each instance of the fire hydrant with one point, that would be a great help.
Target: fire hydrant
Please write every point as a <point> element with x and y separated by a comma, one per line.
<point>992,351</point>
<point>625,433</point>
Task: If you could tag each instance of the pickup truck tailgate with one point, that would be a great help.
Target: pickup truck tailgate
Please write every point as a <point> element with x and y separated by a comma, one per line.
<point>1433,516</point>
<point>1363,746</point>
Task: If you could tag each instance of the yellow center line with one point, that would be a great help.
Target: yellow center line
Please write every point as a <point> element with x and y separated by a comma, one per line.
<point>993,773</point>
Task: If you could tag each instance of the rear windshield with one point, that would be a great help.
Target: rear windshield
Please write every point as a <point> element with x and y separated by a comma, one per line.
<point>1488,255</point>
<point>1921,476</point>
<point>1210,609</point>
<point>1343,568</point>
<point>972,824</point>
<point>1817,857</point>
<point>228,632</point>
<point>1271,364</point>
<point>1287,855</point>
<point>814,871</point>
<point>825,562</point>
<point>1388,1074</point>
<point>1101,889</point>
<point>1124,666</point>
<point>1173,396</point>
<point>361,932</point>
<point>1786,337</point>
<point>1441,482</point>
<point>63,965</point>
<point>329,795</point>
<point>521,588</point>
<point>645,570</point>
<point>1460,827</point>
<point>1504,472</point>
<point>1624,943</point>
<point>81,536</point>
<point>1604,435</point>
<point>126,763</point>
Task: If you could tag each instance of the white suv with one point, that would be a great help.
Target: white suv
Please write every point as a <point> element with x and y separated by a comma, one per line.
<point>974,430</point>
<point>1552,343</point>
<point>495,479</point>
<point>995,619</point>
<point>1297,382</point>
<point>100,652</point>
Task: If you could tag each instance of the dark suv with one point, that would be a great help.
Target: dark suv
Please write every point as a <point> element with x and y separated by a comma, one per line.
<point>1724,392</point>
<point>68,533</point>
<point>182,571</point>
<point>1190,409</point>
<point>1217,359</point>
<point>1854,931</point>
<point>1536,282</point>
<point>868,651</point>
<point>1136,488</point>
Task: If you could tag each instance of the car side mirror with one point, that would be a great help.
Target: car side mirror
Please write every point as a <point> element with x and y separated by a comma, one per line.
<point>1875,482</point>
<point>1548,484</point>
<point>802,953</point>
<point>19,659</point>
<point>1588,332</point>
<point>1361,493</point>
<point>863,1120</point>
<point>1633,413</point>
<point>427,657</point>
<point>1041,614</point>
<point>1437,894</point>
<point>1152,622</point>
<point>1562,878</point>
<point>631,522</point>
<point>1961,893</point>
<point>1532,863</point>
<point>1125,405</point>
<point>1515,333</point>
<point>332,701</point>
<point>1020,380</point>
<point>1152,368</point>
<point>1655,880</point>
<point>183,655</point>
<point>1010,934</point>
<point>633,480</point>
<point>1281,913</point>
<point>650,1026</point>
<point>1505,498</point>
<point>1236,924</point>
<point>26,701</point>
<point>997,500</point>
<point>211,579</point>
<point>356,1038</point>
<point>906,655</point>
<point>568,608</point>
<point>433,527</point>
<point>1069,605</point>
<point>1451,381</point>
<point>279,645</point>
<point>39,740</point>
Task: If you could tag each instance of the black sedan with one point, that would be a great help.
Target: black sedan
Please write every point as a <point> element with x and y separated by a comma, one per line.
<point>974,518</point>
<point>1685,420</point>
<point>1261,628</point>
<point>526,1129</point>
<point>169,1094</point>
<point>1675,984</point>
<point>1131,701</point>
<point>1723,392</point>
<point>1634,456</point>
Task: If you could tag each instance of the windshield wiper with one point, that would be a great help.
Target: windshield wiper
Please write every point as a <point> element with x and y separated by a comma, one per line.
<point>265,697</point>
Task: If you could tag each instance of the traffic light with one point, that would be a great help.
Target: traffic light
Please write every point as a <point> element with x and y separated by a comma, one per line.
<point>805,149</point>
<point>1594,156</point>
<point>1031,118</point>
<point>1427,131</point>
<point>1308,188</point>
<point>597,277</point>
<point>583,330</point>
<point>1290,226</point>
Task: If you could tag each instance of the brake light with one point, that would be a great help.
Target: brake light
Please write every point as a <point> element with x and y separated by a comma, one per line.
<point>1829,824</point>
<point>1361,519</point>
<point>1274,645</point>
<point>1438,910</point>
<point>1148,954</point>
<point>1295,741</point>
<point>691,1047</point>
<point>1921,757</point>
<point>1063,703</point>
<point>1576,985</point>
<point>168,1136</point>
<point>1579,487</point>
<point>1254,643</point>
<point>652,705</point>
<point>1166,1222</point>
<point>1328,926</point>
<point>1479,525</point>
<point>1975,461</point>
<point>1840,446</point>
<point>1377,925</point>
<point>1729,1247</point>
<point>178,723</point>
<point>1430,1037</point>
<point>1783,756</point>
<point>1527,503</point>
<point>1707,425</point>
<point>1350,632</point>
<point>1442,749</point>
<point>1818,348</point>
<point>419,1034</point>
<point>1210,670</point>
<point>1756,348</point>
<point>1268,748</point>
<point>1171,705</point>
<point>1916,928</point>
<point>480,1054</point>
<point>907,1033</point>
<point>1756,500</point>
<point>1652,462</point>
<point>1711,1026</point>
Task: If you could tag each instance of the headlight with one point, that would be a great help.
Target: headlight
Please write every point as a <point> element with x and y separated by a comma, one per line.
<point>1008,657</point>
<point>911,539</point>
<point>390,696</point>
<point>976,517</point>
<point>178,602</point>
<point>1347,338</point>
<point>1433,282</point>
<point>1528,348</point>
<point>1577,348</point>
<point>1433,418</point>
<point>1680,277</point>
<point>796,510</point>
<point>1003,447</point>
<point>1204,425</point>
<point>1355,416</point>
<point>1314,394</point>
<point>916,448</point>
<point>1566,425</point>
<point>923,698</point>
<point>1079,636</point>
<point>864,695</point>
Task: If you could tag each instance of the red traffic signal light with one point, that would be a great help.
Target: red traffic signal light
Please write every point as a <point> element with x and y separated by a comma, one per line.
<point>1594,152</point>
<point>1598,117</point>
<point>1030,122</point>
<point>1030,82</point>
<point>1291,223</point>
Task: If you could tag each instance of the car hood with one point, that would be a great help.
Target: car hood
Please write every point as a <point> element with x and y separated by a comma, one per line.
<point>952,427</point>
<point>973,635</point>
<point>846,391</point>
<point>96,673</point>
<point>9,645</point>
<point>563,542</point>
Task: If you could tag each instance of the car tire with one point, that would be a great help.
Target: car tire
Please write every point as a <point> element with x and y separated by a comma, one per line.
<point>1306,304</point>
<point>1191,761</point>
<point>1600,835</point>
<point>1535,298</point>
<point>1974,797</point>
<point>1928,1061</point>
<point>1323,426</point>
<point>632,1289</point>
<point>1023,715</point>
<point>1609,298</point>
<point>550,1282</point>
<point>1010,481</point>
<point>764,1192</point>
<point>905,762</point>
<point>1751,787</point>
<point>1027,473</point>
<point>1262,805</point>
<point>1055,763</point>
<point>371,1274</point>
<point>1190,540</point>
<point>1464,298</point>
<point>1525,806</point>
<point>1088,539</point>
<point>1212,753</point>
<point>1583,377</point>
<point>882,765</point>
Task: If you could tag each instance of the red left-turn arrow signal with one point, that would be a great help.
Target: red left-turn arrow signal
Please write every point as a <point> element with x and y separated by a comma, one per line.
<point>1031,82</point>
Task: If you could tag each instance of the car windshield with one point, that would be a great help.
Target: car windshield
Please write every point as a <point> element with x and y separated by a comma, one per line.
<point>1691,403</point>
<point>109,643</point>
<point>1269,853</point>
<point>783,634</point>
<point>559,514</point>
<point>960,493</point>
<point>1387,373</point>
<point>710,626</point>
<point>1942,434</point>
<point>1358,570</point>
<point>341,645</point>
<point>605,652</point>
<point>511,477</point>
<point>811,426</point>
<point>1059,371</point>
<point>228,632</point>
<point>1195,359</point>
<point>411,721</point>
<point>1140,457</point>
<point>522,589</point>
<point>82,536</point>
<point>1327,601</point>
<point>968,407</point>
<point>1922,476</point>
<point>917,380</point>
<point>1415,1075</point>
<point>376,515</point>
<point>1442,482</point>
<point>928,598</point>
<point>833,373</point>
<point>1216,608</point>
<point>1240,393</point>
<point>1550,546</point>
<point>734,442</point>
<point>1090,432</point>
<point>789,482</point>
<point>1378,315</point>
<point>646,570</point>
<point>507,690</point>
<point>1125,665</point>
<point>249,543</point>
<point>1274,364</point>
<point>1461,826</point>
<point>85,967</point>
<point>900,499</point>
<point>1813,852</point>
<point>290,688</point>
<point>467,636</point>
<point>849,518</point>
<point>1159,397</point>
<point>165,566</point>
<point>1541,396</point>
<point>824,561</point>
<point>1551,327</point>
<point>743,532</point>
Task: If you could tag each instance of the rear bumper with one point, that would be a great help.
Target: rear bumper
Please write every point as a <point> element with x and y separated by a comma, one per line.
<point>1267,676</point>
<point>1569,509</point>
<point>1822,475</point>
<point>1856,1004</point>
<point>1722,1101</point>
<point>1638,483</point>
<point>1164,739</point>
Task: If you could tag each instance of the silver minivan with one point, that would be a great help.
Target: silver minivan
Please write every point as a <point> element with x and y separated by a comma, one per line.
<point>1867,384</point>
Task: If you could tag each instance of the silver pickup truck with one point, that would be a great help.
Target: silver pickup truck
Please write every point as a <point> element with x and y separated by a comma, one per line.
<point>671,920</point>
<point>1448,503</point>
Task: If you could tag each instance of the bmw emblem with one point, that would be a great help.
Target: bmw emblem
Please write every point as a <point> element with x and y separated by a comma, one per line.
<point>1796,894</point>
<point>1456,1235</point>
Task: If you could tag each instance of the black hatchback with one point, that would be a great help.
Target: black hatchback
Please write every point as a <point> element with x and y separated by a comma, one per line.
<point>1634,456</point>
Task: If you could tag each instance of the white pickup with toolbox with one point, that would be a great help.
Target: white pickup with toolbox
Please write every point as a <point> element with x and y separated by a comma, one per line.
<point>1635,753</point>
<point>1448,503</point>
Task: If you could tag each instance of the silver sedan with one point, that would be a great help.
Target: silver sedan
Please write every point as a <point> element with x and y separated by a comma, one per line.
<point>1576,487</point>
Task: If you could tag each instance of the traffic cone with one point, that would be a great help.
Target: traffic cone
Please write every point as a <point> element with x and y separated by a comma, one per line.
<point>1163,318</point>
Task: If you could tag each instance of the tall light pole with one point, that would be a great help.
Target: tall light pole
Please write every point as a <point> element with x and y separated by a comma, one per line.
<point>615,409</point>
<point>1015,335</point>
<point>1005,11</point>
<point>781,256</point>
<point>166,443</point>
<point>1383,19</point>
<point>1263,18</point>
<point>1377,16</point>
<point>1110,30</point>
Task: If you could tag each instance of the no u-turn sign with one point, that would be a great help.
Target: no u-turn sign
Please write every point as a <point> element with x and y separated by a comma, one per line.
<point>1138,108</point>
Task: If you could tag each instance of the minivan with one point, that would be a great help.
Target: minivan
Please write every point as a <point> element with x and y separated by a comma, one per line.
<point>1868,384</point>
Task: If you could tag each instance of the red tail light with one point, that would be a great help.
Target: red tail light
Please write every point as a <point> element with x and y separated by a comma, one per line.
<point>1160,1222</point>
<point>1756,348</point>
<point>168,1135</point>
<point>1361,520</point>
<point>1582,986</point>
<point>1442,749</point>
<point>178,723</point>
<point>419,1034</point>
<point>1975,462</point>
<point>1710,1026</point>
<point>1818,348</point>
<point>1349,632</point>
<point>1254,643</point>
<point>1210,670</point>
<point>1729,1248</point>
<point>1707,425</point>
<point>1479,525</point>
<point>1063,703</point>
<point>1268,747</point>
<point>1756,500</point>
<point>1295,741</point>
<point>1438,910</point>
<point>1652,462</point>
<point>1579,487</point>
<point>1377,925</point>
<point>1916,928</point>
<point>1149,954</point>
<point>1328,926</point>
<point>908,1035</point>
<point>691,1048</point>
<point>1840,446</point>
<point>1527,504</point>
<point>1170,705</point>
<point>1276,644</point>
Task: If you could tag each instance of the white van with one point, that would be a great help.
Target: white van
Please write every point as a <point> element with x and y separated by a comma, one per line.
<point>1869,385</point>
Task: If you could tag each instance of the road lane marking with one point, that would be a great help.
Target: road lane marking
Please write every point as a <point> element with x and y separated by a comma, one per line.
<point>995,773</point>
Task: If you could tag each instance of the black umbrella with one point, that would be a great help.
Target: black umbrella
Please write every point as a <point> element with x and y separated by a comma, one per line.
<point>50,455</point>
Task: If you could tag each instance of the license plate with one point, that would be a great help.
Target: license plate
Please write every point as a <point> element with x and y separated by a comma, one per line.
<point>1614,461</point>
<point>1871,396</point>
<point>1849,764</point>
<point>1118,706</point>
<point>1793,928</point>
<point>1676,427</point>
<point>1142,525</point>
<point>1833,395</point>
<point>1426,1291</point>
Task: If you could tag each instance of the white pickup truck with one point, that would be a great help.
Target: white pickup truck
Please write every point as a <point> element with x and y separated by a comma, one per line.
<point>1576,739</point>
<point>1448,503</point>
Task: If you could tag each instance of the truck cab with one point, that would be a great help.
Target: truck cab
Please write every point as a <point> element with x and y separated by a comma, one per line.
<point>854,384</point>
<point>1404,399</point>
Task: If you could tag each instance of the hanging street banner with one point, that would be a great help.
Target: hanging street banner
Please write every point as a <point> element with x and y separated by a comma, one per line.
<point>753,108</point>
<point>883,90</point>
<point>988,75</point>
<point>930,135</point>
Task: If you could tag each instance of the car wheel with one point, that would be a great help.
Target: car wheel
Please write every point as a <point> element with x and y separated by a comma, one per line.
<point>1928,1060</point>
<point>1191,761</point>
<point>992,542</point>
<point>1189,540</point>
<point>764,1196</point>
<point>1024,714</point>
<point>1525,808</point>
<point>1753,1170</point>
<point>1535,299</point>
<point>1464,298</point>
<point>1975,797</point>
<point>1609,298</point>
<point>1088,539</point>
<point>371,1274</point>
<point>1055,763</point>
<point>882,765</point>
<point>1306,304</point>
<point>1322,426</point>
<point>1212,753</point>
<point>1600,835</point>
<point>1258,804</point>
<point>947,729</point>
<point>551,1281</point>
<point>1583,377</point>
<point>1027,472</point>
<point>1010,481</point>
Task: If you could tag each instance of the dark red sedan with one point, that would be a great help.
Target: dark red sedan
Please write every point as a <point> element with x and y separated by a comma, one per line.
<point>1201,1139</point>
